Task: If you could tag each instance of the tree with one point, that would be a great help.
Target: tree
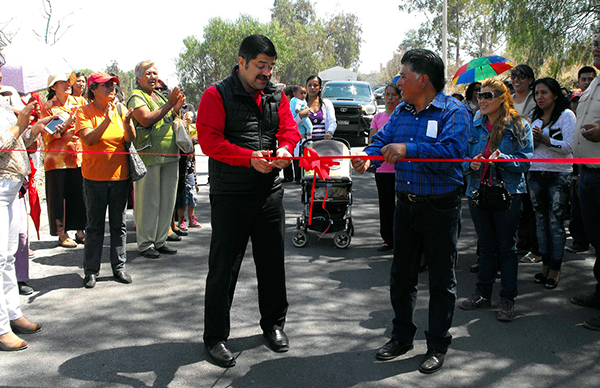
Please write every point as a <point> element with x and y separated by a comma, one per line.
<point>126,79</point>
<point>344,39</point>
<point>53,31</point>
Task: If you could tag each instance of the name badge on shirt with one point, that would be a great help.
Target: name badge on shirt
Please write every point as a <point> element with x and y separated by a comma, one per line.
<point>432,128</point>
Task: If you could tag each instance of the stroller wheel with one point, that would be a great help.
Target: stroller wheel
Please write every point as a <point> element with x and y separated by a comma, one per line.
<point>342,239</point>
<point>300,238</point>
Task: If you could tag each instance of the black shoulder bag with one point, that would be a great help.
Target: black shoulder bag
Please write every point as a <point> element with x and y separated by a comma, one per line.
<point>493,197</point>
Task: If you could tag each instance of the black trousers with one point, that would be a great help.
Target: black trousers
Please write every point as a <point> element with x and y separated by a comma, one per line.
<point>64,197</point>
<point>386,191</point>
<point>236,219</point>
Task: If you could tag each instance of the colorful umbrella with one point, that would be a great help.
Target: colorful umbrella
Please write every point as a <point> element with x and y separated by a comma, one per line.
<point>481,68</point>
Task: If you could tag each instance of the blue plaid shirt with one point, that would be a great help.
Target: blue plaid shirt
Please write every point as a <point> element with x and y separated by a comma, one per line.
<point>440,131</point>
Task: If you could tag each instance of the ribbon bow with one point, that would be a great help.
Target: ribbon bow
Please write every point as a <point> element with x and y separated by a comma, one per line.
<point>311,160</point>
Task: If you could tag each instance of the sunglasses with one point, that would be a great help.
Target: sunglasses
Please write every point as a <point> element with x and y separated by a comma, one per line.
<point>517,76</point>
<point>596,44</point>
<point>486,96</point>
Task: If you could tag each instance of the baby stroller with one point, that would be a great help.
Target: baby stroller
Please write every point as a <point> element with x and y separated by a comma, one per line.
<point>331,210</point>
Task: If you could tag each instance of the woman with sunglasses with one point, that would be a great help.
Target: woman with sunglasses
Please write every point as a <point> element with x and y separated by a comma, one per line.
<point>470,100</point>
<point>498,132</point>
<point>522,78</point>
<point>104,128</point>
<point>550,183</point>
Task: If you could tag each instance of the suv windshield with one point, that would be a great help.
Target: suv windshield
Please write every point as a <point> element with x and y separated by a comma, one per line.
<point>347,91</point>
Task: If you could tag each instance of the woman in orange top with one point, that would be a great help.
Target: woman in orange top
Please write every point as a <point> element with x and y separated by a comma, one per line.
<point>62,163</point>
<point>104,128</point>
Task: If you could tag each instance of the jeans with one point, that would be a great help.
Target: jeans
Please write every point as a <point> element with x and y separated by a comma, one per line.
<point>431,228</point>
<point>589,198</point>
<point>235,219</point>
<point>98,196</point>
<point>497,239</point>
<point>550,192</point>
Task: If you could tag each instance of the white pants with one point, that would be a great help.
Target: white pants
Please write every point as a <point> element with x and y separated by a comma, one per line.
<point>10,305</point>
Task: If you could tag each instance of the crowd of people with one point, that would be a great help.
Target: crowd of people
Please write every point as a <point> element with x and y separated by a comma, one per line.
<point>249,130</point>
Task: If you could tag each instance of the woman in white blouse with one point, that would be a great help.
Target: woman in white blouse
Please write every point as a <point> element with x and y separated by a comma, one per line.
<point>550,183</point>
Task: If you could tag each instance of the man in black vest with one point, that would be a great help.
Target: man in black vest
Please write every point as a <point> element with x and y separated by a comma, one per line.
<point>242,122</point>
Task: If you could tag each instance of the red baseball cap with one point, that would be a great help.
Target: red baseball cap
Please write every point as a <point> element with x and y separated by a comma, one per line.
<point>100,78</point>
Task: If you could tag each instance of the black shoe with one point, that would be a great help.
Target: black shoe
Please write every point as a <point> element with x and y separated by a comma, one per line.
<point>167,250</point>
<point>89,281</point>
<point>174,237</point>
<point>577,247</point>
<point>587,300</point>
<point>24,289</point>
<point>122,277</point>
<point>392,349</point>
<point>474,268</point>
<point>150,253</point>
<point>181,232</point>
<point>277,340</point>
<point>432,362</point>
<point>385,247</point>
<point>220,355</point>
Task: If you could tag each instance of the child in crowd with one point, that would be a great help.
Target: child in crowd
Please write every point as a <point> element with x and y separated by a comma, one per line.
<point>191,195</point>
<point>297,104</point>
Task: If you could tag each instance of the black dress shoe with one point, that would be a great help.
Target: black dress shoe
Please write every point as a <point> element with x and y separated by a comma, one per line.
<point>277,340</point>
<point>167,250</point>
<point>173,237</point>
<point>385,247</point>
<point>122,277</point>
<point>474,268</point>
<point>220,355</point>
<point>432,361</point>
<point>150,253</point>
<point>24,289</point>
<point>89,281</point>
<point>181,232</point>
<point>392,349</point>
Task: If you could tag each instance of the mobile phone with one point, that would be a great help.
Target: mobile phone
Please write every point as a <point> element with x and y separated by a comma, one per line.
<point>51,126</point>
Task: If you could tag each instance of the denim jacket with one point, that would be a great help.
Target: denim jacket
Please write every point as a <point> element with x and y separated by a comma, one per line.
<point>513,173</point>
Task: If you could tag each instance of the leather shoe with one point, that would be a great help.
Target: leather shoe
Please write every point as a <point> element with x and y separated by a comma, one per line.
<point>24,289</point>
<point>89,281</point>
<point>167,250</point>
<point>150,253</point>
<point>219,355</point>
<point>432,361</point>
<point>277,340</point>
<point>181,232</point>
<point>392,349</point>
<point>173,237</point>
<point>122,277</point>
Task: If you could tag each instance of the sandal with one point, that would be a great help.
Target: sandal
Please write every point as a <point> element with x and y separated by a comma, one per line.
<point>16,344</point>
<point>531,257</point>
<point>68,243</point>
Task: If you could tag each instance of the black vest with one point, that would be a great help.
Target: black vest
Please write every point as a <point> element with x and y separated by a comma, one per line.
<point>246,127</point>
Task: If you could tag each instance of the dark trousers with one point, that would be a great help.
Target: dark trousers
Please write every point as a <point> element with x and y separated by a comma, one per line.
<point>236,219</point>
<point>429,227</point>
<point>576,227</point>
<point>589,196</point>
<point>497,238</point>
<point>527,232</point>
<point>64,197</point>
<point>98,196</point>
<point>386,191</point>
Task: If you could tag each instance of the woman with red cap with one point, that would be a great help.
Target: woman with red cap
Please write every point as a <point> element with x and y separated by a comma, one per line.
<point>104,128</point>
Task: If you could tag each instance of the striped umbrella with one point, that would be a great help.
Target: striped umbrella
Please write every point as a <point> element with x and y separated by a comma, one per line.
<point>481,68</point>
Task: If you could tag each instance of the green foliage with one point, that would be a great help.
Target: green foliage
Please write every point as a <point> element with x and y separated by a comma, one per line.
<point>126,78</point>
<point>305,45</point>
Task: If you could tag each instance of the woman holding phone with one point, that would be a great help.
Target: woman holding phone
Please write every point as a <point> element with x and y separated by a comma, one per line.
<point>62,162</point>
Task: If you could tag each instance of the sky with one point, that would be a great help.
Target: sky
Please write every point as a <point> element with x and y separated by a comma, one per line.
<point>107,30</point>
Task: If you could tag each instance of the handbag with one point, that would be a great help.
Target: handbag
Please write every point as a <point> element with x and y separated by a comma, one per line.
<point>492,197</point>
<point>182,136</point>
<point>137,168</point>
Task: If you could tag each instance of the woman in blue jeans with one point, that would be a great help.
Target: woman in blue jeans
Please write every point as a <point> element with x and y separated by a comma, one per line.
<point>498,133</point>
<point>550,183</point>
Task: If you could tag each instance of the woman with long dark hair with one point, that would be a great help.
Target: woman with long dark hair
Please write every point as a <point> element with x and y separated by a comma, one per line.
<point>498,133</point>
<point>320,111</point>
<point>550,183</point>
<point>470,100</point>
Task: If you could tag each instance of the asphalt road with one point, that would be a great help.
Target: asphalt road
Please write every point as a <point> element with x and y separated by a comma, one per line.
<point>148,334</point>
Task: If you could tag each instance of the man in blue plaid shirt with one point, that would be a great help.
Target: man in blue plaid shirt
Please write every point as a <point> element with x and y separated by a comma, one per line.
<point>428,124</point>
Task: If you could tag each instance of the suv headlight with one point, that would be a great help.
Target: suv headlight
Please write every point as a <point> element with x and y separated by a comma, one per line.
<point>369,109</point>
